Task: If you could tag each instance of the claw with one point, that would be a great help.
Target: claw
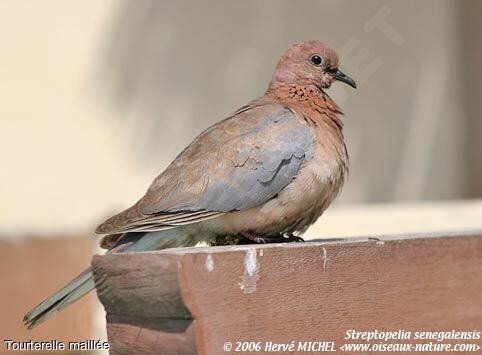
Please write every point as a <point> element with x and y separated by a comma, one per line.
<point>260,239</point>
<point>255,237</point>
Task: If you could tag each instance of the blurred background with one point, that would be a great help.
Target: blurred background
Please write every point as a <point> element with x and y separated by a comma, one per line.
<point>97,97</point>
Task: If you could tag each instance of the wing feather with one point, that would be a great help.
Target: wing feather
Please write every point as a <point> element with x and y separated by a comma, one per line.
<point>236,164</point>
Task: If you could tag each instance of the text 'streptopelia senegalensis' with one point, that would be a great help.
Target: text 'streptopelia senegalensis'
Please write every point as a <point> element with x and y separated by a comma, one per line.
<point>268,170</point>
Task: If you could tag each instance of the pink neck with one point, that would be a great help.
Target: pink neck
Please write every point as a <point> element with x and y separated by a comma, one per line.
<point>309,99</point>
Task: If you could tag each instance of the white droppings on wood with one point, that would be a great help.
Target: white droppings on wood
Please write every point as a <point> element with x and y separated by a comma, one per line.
<point>377,240</point>
<point>261,252</point>
<point>251,272</point>
<point>209,264</point>
<point>250,262</point>
<point>325,258</point>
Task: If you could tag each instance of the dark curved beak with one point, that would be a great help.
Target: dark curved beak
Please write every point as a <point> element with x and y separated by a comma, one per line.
<point>340,76</point>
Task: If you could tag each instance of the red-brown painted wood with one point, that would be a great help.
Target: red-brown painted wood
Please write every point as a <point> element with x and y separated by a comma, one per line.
<point>182,301</point>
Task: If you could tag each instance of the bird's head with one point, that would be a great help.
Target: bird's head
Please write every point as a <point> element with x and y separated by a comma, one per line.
<point>310,63</point>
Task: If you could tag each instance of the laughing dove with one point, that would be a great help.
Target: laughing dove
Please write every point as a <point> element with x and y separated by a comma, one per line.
<point>268,170</point>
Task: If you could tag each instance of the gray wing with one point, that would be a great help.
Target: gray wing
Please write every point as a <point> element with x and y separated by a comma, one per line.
<point>265,161</point>
<point>237,164</point>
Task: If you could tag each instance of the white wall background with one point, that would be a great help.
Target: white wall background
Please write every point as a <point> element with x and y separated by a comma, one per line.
<point>96,97</point>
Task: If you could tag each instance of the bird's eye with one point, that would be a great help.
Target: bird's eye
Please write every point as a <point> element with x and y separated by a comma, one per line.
<point>316,60</point>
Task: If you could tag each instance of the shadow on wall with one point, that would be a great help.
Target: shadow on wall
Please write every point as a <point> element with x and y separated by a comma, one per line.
<point>184,65</point>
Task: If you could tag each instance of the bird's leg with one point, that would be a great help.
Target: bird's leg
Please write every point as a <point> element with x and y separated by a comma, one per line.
<point>254,237</point>
<point>278,238</point>
<point>260,239</point>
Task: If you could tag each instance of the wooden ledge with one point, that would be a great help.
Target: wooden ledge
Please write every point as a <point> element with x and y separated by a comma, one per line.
<point>193,300</point>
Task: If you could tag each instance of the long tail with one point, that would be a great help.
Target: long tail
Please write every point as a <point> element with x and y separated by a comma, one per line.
<point>64,297</point>
<point>84,283</point>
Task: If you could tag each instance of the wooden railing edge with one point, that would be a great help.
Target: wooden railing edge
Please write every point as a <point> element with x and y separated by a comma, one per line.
<point>164,299</point>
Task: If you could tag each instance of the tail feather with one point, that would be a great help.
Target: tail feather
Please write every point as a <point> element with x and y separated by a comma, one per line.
<point>84,283</point>
<point>64,297</point>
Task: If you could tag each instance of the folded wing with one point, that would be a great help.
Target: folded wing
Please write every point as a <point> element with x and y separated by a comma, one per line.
<point>236,164</point>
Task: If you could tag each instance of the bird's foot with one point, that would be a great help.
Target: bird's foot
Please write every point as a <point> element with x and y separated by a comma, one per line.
<point>262,238</point>
<point>278,238</point>
<point>250,237</point>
